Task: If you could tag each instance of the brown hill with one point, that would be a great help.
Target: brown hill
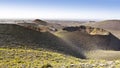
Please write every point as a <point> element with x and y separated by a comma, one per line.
<point>40,22</point>
<point>111,25</point>
<point>108,24</point>
<point>41,26</point>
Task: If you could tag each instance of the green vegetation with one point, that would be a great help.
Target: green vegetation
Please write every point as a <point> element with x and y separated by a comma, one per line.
<point>17,58</point>
<point>40,58</point>
<point>46,66</point>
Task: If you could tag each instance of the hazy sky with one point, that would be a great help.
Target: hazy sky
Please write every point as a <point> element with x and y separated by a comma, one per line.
<point>60,9</point>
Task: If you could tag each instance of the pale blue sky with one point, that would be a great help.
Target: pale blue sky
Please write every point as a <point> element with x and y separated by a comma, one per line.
<point>60,9</point>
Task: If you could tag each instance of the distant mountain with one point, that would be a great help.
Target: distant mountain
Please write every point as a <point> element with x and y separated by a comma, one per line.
<point>66,22</point>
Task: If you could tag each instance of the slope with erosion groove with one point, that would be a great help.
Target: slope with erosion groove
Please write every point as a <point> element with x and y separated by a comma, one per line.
<point>91,40</point>
<point>12,35</point>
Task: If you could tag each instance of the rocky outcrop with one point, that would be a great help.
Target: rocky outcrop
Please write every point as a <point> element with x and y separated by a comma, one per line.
<point>88,30</point>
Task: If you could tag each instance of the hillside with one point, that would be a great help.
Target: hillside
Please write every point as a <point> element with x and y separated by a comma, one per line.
<point>33,41</point>
<point>12,35</point>
<point>74,41</point>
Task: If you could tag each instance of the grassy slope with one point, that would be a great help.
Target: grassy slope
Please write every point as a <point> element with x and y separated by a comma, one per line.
<point>10,58</point>
<point>29,58</point>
